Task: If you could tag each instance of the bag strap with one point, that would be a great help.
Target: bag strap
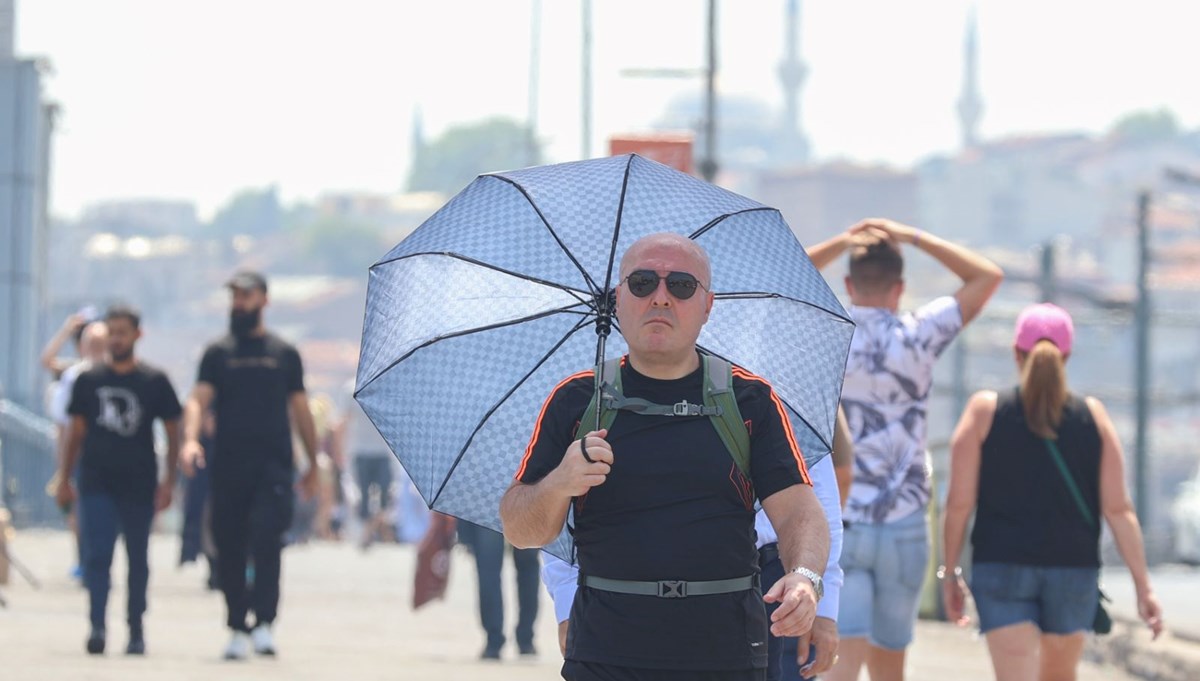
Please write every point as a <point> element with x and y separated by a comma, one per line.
<point>720,405</point>
<point>718,394</point>
<point>1070,480</point>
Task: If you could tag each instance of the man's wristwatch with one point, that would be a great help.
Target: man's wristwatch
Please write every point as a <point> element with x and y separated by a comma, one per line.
<point>817,582</point>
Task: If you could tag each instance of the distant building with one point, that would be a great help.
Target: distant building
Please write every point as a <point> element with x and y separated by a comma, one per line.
<point>142,217</point>
<point>820,201</point>
<point>26,123</point>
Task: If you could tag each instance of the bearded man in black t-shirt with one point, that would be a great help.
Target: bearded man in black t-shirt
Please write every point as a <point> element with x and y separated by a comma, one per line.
<point>660,501</point>
<point>254,382</point>
<point>112,411</point>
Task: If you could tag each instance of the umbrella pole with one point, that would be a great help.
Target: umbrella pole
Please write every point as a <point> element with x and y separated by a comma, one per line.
<point>603,327</point>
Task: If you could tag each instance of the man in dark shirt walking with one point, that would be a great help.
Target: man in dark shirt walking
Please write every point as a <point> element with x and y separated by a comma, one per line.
<point>664,517</point>
<point>254,381</point>
<point>112,412</point>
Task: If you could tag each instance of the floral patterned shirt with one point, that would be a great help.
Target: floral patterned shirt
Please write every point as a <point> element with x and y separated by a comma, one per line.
<point>889,374</point>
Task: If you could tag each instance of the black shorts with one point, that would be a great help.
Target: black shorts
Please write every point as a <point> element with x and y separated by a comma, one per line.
<point>595,671</point>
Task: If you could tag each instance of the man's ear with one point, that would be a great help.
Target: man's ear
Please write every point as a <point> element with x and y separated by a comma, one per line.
<point>849,286</point>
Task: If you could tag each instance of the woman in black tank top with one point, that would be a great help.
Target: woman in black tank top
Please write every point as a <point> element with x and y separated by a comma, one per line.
<point>1036,538</point>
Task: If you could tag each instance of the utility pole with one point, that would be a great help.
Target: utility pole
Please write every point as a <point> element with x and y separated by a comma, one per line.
<point>708,165</point>
<point>535,51</point>
<point>1142,342</point>
<point>1049,278</point>
<point>585,101</point>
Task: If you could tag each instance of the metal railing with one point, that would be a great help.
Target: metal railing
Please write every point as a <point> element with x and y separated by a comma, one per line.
<point>27,462</point>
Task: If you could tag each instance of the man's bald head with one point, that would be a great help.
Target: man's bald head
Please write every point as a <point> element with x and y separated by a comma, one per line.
<point>669,240</point>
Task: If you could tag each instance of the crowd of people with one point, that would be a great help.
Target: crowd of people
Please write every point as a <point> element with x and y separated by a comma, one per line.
<point>706,547</point>
<point>234,447</point>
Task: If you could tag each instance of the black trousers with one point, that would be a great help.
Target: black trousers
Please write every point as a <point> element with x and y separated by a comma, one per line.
<point>251,511</point>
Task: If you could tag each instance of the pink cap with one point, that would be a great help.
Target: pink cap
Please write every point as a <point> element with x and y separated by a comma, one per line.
<point>1045,321</point>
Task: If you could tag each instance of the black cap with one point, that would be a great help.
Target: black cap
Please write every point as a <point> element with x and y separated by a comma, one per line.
<point>246,280</point>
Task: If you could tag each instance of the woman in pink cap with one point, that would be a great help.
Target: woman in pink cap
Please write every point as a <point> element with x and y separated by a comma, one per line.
<point>1040,466</point>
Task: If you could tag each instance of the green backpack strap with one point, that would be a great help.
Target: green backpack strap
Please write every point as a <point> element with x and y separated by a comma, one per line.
<point>611,373</point>
<point>718,392</point>
<point>718,398</point>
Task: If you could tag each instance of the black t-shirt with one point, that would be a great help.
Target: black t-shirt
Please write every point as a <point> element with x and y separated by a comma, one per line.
<point>119,410</point>
<point>254,379</point>
<point>1026,514</point>
<point>675,506</point>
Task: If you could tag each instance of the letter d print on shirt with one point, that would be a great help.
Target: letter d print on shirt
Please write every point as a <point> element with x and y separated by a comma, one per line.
<point>120,411</point>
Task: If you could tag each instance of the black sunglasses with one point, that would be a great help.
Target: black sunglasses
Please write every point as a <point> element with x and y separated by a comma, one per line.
<point>680,284</point>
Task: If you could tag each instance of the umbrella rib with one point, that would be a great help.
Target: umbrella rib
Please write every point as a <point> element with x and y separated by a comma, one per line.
<point>550,229</point>
<point>720,218</point>
<point>612,252</point>
<point>517,275</point>
<point>752,295</point>
<point>468,332</point>
<point>785,402</point>
<point>467,445</point>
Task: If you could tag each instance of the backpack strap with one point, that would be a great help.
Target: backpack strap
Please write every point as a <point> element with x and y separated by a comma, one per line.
<point>718,394</point>
<point>720,405</point>
<point>608,376</point>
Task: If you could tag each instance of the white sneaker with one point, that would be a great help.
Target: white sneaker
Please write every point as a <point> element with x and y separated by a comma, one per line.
<point>264,642</point>
<point>239,646</point>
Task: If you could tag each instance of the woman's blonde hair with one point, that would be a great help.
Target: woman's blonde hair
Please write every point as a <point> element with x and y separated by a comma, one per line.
<point>1043,388</point>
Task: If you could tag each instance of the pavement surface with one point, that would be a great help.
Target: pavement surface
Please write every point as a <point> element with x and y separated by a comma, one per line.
<point>345,614</point>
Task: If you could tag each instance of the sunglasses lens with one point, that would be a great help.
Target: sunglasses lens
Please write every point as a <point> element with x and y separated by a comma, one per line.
<point>642,283</point>
<point>682,285</point>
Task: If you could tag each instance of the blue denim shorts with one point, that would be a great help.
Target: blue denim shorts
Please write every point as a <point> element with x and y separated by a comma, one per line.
<point>1059,600</point>
<point>885,567</point>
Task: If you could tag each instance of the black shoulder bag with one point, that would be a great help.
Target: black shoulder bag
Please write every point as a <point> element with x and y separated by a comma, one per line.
<point>1102,624</point>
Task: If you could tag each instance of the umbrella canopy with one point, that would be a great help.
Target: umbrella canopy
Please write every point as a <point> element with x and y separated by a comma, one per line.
<point>472,319</point>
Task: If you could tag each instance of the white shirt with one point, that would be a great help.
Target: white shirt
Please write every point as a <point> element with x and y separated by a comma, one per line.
<point>561,578</point>
<point>889,374</point>
<point>60,401</point>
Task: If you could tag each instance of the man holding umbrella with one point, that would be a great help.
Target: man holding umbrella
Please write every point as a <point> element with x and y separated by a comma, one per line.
<point>664,518</point>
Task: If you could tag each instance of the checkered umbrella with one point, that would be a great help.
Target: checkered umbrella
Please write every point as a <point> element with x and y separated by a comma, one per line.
<point>473,318</point>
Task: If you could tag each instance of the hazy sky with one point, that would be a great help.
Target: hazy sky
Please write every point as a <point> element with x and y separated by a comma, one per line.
<point>194,100</point>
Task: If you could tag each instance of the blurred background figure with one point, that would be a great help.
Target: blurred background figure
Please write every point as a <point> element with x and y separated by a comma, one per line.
<point>489,547</point>
<point>91,349</point>
<point>313,517</point>
<point>113,409</point>
<point>371,461</point>
<point>195,533</point>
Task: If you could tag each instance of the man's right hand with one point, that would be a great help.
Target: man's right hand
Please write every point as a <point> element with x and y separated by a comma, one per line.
<point>191,457</point>
<point>576,475</point>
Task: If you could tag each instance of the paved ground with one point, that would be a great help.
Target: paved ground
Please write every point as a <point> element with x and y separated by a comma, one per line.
<point>345,615</point>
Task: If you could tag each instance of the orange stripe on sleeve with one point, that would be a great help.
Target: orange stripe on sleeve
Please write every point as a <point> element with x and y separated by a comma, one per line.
<point>537,428</point>
<point>787,423</point>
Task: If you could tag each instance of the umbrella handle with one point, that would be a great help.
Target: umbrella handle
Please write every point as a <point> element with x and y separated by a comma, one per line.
<point>583,450</point>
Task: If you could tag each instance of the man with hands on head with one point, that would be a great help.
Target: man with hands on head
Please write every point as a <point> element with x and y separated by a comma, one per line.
<point>664,517</point>
<point>889,375</point>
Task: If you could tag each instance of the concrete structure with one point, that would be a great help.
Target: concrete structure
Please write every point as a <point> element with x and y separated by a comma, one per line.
<point>26,122</point>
